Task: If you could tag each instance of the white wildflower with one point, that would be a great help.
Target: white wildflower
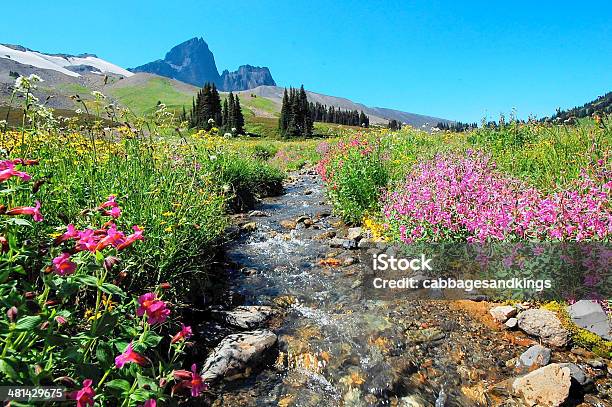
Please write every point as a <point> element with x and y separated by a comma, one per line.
<point>98,95</point>
<point>211,121</point>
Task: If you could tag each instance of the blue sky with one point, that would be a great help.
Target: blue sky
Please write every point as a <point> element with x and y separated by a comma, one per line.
<point>451,59</point>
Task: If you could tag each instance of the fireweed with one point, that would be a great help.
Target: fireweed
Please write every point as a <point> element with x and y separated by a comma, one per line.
<point>465,198</point>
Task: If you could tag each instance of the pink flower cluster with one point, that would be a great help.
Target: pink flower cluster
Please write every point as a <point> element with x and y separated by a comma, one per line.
<point>8,170</point>
<point>335,155</point>
<point>465,198</point>
<point>94,240</point>
<point>156,309</point>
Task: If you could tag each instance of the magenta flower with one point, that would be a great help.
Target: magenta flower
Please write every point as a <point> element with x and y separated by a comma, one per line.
<point>156,310</point>
<point>63,266</point>
<point>110,202</point>
<point>191,380</point>
<point>85,396</point>
<point>33,211</point>
<point>7,171</point>
<point>60,320</point>
<point>183,334</point>
<point>129,356</point>
<point>137,235</point>
<point>150,403</point>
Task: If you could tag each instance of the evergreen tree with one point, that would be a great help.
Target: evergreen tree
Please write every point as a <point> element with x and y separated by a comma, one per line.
<point>238,117</point>
<point>206,106</point>
<point>225,114</point>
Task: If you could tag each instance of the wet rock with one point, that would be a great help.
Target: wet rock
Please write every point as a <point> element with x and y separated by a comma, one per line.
<point>249,227</point>
<point>248,271</point>
<point>336,242</point>
<point>546,386</point>
<point>288,223</point>
<point>511,323</point>
<point>323,214</point>
<point>246,316</point>
<point>354,233</point>
<point>237,352</point>
<point>590,316</point>
<point>545,325</point>
<point>325,235</point>
<point>537,355</point>
<point>308,222</point>
<point>257,214</point>
<point>366,243</point>
<point>424,335</point>
<point>596,364</point>
<point>308,192</point>
<point>349,261</point>
<point>503,312</point>
<point>577,374</point>
<point>412,401</point>
<point>349,244</point>
<point>285,301</point>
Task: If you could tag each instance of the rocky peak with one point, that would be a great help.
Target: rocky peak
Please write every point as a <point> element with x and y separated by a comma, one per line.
<point>246,77</point>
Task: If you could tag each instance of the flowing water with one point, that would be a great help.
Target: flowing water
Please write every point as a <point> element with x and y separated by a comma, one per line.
<point>337,348</point>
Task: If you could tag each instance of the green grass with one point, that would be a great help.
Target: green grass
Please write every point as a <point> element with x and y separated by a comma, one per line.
<point>142,99</point>
<point>259,104</point>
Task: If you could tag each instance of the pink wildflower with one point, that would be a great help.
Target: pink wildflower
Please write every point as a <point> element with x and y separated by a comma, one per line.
<point>63,266</point>
<point>33,211</point>
<point>183,334</point>
<point>156,310</point>
<point>85,396</point>
<point>129,356</point>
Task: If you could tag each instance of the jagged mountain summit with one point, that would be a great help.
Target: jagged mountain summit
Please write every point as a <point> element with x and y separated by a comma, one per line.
<point>193,62</point>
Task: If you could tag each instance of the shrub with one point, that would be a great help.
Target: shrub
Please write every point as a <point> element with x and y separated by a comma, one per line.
<point>354,173</point>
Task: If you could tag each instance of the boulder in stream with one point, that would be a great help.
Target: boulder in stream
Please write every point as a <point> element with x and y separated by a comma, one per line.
<point>236,353</point>
<point>246,316</point>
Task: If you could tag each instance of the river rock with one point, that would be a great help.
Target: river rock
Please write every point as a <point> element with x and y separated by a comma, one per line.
<point>257,214</point>
<point>577,373</point>
<point>354,233</point>
<point>503,312</point>
<point>546,386</point>
<point>288,223</point>
<point>545,325</point>
<point>246,316</point>
<point>249,227</point>
<point>590,316</point>
<point>511,323</point>
<point>424,335</point>
<point>236,352</point>
<point>366,243</point>
<point>537,355</point>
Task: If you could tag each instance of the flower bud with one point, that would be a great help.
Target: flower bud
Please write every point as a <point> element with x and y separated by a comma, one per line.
<point>110,262</point>
<point>29,295</point>
<point>163,382</point>
<point>4,245</point>
<point>44,325</point>
<point>12,313</point>
<point>165,286</point>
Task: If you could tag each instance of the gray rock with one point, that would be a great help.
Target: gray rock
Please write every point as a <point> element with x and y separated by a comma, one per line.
<point>257,214</point>
<point>337,242</point>
<point>546,386</point>
<point>354,233</point>
<point>577,373</point>
<point>349,244</point>
<point>366,243</point>
<point>236,352</point>
<point>511,323</point>
<point>536,355</point>
<point>424,335</point>
<point>545,325</point>
<point>247,316</point>
<point>591,316</point>
<point>503,312</point>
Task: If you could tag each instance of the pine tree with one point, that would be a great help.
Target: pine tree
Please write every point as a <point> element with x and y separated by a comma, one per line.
<point>238,117</point>
<point>225,115</point>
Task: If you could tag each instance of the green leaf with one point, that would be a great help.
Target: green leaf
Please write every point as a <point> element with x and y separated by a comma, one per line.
<point>7,368</point>
<point>28,323</point>
<point>141,395</point>
<point>119,384</point>
<point>151,339</point>
<point>19,222</point>
<point>112,289</point>
<point>87,280</point>
<point>104,354</point>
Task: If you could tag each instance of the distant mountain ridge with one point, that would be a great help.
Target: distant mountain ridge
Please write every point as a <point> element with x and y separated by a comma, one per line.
<point>193,62</point>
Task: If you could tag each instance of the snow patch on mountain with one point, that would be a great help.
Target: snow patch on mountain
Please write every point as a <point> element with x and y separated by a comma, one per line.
<point>60,63</point>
